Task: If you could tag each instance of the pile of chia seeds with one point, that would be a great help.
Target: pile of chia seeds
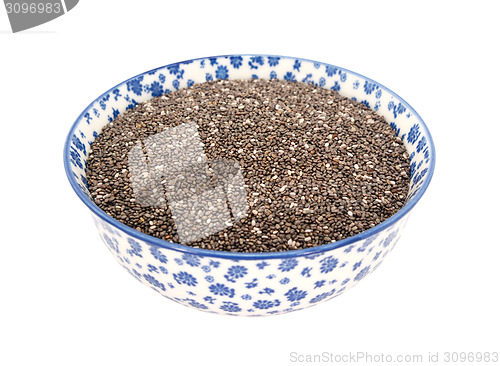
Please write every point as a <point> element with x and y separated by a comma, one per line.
<point>317,167</point>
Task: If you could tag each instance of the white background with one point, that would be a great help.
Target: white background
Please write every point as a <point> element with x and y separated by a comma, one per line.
<point>64,299</point>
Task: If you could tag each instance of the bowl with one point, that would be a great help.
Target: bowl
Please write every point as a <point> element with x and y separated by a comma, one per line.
<point>250,284</point>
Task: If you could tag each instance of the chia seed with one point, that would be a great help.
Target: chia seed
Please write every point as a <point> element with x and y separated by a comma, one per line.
<point>317,167</point>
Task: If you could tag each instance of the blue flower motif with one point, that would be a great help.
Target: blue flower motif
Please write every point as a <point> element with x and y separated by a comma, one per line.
<point>369,87</point>
<point>296,65</point>
<point>366,103</point>
<point>163,270</point>
<point>319,284</point>
<point>288,264</point>
<point>265,304</point>
<point>115,113</point>
<point>161,77</point>
<point>209,299</point>
<point>295,295</point>
<point>132,103</point>
<point>262,265</point>
<point>255,76</point>
<point>180,75</point>
<point>421,144</point>
<point>236,61</point>
<point>157,254</point>
<point>196,304</point>
<point>230,307</point>
<point>246,297</point>
<point>213,61</point>
<point>235,272</point>
<point>173,69</point>
<point>254,61</point>
<point>78,144</point>
<point>378,94</point>
<point>209,279</point>
<point>331,70</point>
<point>419,177</point>
<point>206,268</point>
<point>136,248</point>
<point>273,61</point>
<point>273,75</point>
<point>221,72</point>
<point>362,273</point>
<point>176,84</point>
<point>357,265</point>
<point>343,76</point>
<point>306,272</point>
<point>117,94</point>
<point>349,248</point>
<point>308,79</point>
<point>316,65</point>
<point>267,291</point>
<point>112,243</point>
<point>328,264</point>
<point>284,280</point>
<point>400,109</point>
<point>414,134</point>
<point>152,268</point>
<point>221,290</point>
<point>84,181</point>
<point>289,76</point>
<point>345,281</point>
<point>426,154</point>
<point>185,278</point>
<point>191,259</point>
<point>251,284</point>
<point>156,89</point>
<point>87,117</point>
<point>367,243</point>
<point>336,86</point>
<point>214,264</point>
<point>135,85</point>
<point>208,77</point>
<point>190,83</point>
<point>389,238</point>
<point>322,81</point>
<point>355,85</point>
<point>102,103</point>
<point>321,297</point>
<point>153,281</point>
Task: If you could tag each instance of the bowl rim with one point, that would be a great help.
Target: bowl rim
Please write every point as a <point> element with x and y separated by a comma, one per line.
<point>241,255</point>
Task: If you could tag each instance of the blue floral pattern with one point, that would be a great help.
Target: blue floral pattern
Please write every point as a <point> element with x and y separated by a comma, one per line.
<point>267,284</point>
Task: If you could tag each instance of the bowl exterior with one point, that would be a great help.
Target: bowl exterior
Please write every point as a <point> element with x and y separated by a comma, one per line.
<point>238,283</point>
<point>251,287</point>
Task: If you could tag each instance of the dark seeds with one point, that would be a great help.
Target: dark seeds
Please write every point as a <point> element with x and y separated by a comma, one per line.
<point>317,167</point>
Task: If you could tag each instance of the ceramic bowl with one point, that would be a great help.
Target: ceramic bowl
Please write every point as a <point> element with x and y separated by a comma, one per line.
<point>241,283</point>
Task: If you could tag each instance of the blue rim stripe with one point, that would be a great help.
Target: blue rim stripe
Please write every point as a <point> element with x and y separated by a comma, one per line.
<point>238,255</point>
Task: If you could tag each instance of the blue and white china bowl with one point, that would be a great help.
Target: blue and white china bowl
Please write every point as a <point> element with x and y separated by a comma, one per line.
<point>257,283</point>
